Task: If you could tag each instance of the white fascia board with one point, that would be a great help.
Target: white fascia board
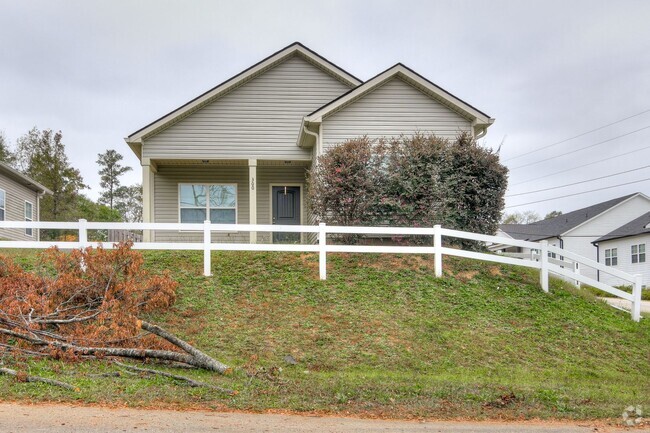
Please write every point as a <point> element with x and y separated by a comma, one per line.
<point>413,78</point>
<point>239,79</point>
<point>638,194</point>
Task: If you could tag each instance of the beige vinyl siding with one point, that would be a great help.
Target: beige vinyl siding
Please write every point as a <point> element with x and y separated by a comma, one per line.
<point>279,175</point>
<point>259,119</point>
<point>166,206</point>
<point>393,109</point>
<point>15,197</point>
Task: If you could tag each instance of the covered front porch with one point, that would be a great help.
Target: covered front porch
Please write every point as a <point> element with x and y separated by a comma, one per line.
<point>239,191</point>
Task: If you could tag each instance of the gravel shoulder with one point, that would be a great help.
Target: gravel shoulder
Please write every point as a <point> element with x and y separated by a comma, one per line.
<point>18,418</point>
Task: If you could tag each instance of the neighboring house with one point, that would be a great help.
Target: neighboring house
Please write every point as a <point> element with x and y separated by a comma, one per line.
<point>575,231</point>
<point>626,248</point>
<point>19,201</point>
<point>239,153</point>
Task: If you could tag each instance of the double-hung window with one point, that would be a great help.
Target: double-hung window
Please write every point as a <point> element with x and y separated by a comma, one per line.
<point>29,217</point>
<point>214,202</point>
<point>3,205</point>
<point>638,253</point>
<point>611,257</point>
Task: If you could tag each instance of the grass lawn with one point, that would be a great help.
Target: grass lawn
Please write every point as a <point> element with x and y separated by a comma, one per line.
<point>380,337</point>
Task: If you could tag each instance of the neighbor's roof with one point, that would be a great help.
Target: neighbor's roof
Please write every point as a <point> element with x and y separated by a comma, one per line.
<point>638,226</point>
<point>135,139</point>
<point>20,178</point>
<point>561,224</point>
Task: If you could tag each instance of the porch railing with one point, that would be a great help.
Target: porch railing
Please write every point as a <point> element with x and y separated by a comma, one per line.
<point>545,264</point>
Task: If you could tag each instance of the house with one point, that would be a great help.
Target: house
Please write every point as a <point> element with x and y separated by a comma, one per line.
<point>19,201</point>
<point>626,248</point>
<point>239,152</point>
<point>576,231</point>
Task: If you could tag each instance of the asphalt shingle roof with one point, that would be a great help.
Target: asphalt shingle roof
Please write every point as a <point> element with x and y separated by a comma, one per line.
<point>558,225</point>
<point>633,228</point>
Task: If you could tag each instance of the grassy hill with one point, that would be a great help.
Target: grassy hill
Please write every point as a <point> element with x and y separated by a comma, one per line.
<point>382,337</point>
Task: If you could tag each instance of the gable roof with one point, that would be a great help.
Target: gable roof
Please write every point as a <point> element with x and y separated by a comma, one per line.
<point>480,119</point>
<point>18,177</point>
<point>638,226</point>
<point>561,224</point>
<point>134,140</point>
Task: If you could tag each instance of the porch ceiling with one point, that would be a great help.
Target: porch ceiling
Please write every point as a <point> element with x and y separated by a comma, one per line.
<point>230,162</point>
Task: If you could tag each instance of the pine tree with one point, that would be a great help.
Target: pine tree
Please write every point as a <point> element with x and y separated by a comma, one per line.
<point>110,172</point>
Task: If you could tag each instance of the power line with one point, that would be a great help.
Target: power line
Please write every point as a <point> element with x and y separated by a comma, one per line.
<point>579,193</point>
<point>578,183</point>
<point>583,165</point>
<point>576,136</point>
<point>582,148</point>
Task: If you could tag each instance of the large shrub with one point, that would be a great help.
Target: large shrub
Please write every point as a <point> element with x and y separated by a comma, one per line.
<point>344,184</point>
<point>418,180</point>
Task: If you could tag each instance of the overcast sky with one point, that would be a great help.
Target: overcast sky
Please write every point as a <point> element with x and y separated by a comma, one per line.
<point>546,71</point>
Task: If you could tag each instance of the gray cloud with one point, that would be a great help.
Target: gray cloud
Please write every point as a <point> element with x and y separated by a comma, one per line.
<point>546,70</point>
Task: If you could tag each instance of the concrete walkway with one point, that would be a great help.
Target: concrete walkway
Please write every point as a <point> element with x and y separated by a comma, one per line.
<point>627,305</point>
<point>18,418</point>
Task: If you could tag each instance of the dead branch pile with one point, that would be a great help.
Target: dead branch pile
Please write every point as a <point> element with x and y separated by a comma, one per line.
<point>90,303</point>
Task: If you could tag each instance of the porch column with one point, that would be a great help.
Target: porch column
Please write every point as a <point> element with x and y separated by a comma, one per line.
<point>252,197</point>
<point>148,170</point>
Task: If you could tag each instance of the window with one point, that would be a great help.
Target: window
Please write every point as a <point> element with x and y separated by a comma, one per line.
<point>218,203</point>
<point>29,216</point>
<point>3,206</point>
<point>611,257</point>
<point>638,253</point>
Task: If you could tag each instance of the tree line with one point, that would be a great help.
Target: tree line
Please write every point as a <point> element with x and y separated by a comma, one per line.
<point>41,155</point>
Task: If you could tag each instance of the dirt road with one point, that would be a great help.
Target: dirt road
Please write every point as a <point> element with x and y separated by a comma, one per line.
<point>17,418</point>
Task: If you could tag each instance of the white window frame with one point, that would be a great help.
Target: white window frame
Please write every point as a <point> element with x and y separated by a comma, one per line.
<point>611,257</point>
<point>638,255</point>
<point>207,199</point>
<point>3,205</point>
<point>28,231</point>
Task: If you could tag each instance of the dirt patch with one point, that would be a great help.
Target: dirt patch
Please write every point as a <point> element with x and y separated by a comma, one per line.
<point>495,271</point>
<point>466,276</point>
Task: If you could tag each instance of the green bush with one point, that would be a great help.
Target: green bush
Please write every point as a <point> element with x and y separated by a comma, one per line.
<point>414,181</point>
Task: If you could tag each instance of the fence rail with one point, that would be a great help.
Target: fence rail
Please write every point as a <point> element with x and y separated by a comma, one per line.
<point>544,263</point>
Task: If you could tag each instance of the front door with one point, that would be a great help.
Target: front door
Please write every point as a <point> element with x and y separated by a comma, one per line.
<point>286,211</point>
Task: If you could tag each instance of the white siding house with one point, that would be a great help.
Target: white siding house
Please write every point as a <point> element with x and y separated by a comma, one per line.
<point>627,248</point>
<point>577,231</point>
<point>240,152</point>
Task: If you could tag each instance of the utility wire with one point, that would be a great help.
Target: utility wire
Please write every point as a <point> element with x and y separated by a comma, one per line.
<point>583,165</point>
<point>582,148</point>
<point>576,136</point>
<point>579,193</point>
<point>578,183</point>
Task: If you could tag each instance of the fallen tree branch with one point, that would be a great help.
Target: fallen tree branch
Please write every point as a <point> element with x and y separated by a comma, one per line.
<point>135,353</point>
<point>10,372</point>
<point>202,360</point>
<point>191,382</point>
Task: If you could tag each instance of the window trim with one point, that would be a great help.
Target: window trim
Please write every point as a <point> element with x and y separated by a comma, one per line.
<point>4,205</point>
<point>31,235</point>
<point>613,256</point>
<point>207,201</point>
<point>638,253</point>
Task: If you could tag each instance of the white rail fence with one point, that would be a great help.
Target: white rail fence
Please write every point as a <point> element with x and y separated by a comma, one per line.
<point>545,263</point>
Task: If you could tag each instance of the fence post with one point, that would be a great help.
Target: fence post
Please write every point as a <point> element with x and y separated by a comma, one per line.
<point>636,298</point>
<point>543,272</point>
<point>322,252</point>
<point>437,246</point>
<point>207,253</point>
<point>83,233</point>
<point>576,269</point>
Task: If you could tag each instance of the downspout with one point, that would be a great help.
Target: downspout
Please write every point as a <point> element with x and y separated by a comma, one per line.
<point>313,134</point>
<point>598,260</point>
